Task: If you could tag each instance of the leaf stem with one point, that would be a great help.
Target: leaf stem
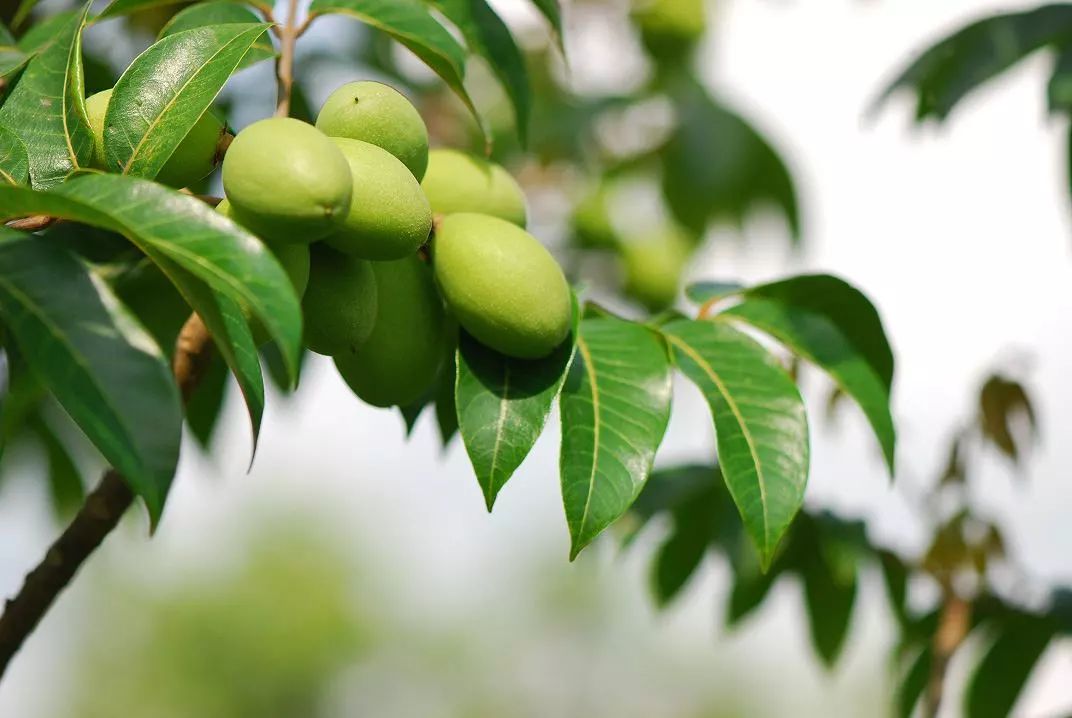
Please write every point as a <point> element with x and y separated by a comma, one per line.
<point>953,626</point>
<point>284,66</point>
<point>98,516</point>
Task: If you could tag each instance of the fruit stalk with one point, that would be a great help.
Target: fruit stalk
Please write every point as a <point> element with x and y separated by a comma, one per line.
<point>284,67</point>
<point>97,518</point>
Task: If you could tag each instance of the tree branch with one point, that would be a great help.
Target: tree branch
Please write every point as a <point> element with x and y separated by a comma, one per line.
<point>953,626</point>
<point>284,66</point>
<point>98,516</point>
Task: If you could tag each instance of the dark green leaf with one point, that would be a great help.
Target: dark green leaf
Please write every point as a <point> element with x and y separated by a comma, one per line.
<point>125,7</point>
<point>829,590</point>
<point>14,164</point>
<point>12,62</point>
<point>830,323</point>
<point>42,33</point>
<point>221,12</point>
<point>946,72</point>
<point>204,406</point>
<point>6,38</point>
<point>102,367</point>
<point>666,489</point>
<point>411,413</point>
<point>412,24</point>
<point>488,36</point>
<point>22,14</point>
<point>165,91</point>
<point>695,523</point>
<point>445,407</point>
<point>895,579</point>
<point>717,167</point>
<point>64,479</point>
<point>913,682</point>
<point>502,405</point>
<point>703,292</point>
<point>1003,405</point>
<point>169,225</point>
<point>760,423</point>
<point>1006,666</point>
<point>615,404</point>
<point>46,110</point>
<point>1059,88</point>
<point>551,10</point>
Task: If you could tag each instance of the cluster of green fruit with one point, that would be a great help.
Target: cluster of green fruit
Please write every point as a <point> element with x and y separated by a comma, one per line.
<point>346,206</point>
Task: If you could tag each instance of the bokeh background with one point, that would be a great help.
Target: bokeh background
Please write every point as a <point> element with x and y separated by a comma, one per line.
<point>355,572</point>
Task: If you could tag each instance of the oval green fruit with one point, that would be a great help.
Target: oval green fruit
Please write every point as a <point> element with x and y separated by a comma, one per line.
<point>460,182</point>
<point>654,265</point>
<point>380,115</point>
<point>293,257</point>
<point>504,287</point>
<point>389,217</point>
<point>286,180</point>
<point>194,159</point>
<point>340,303</point>
<point>399,362</point>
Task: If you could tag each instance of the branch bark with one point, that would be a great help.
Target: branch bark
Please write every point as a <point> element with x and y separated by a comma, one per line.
<point>954,623</point>
<point>284,66</point>
<point>97,518</point>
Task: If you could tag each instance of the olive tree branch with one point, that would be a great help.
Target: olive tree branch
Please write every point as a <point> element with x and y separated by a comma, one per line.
<point>98,516</point>
<point>284,65</point>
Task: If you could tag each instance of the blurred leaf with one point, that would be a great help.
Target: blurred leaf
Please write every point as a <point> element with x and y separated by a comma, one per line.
<point>666,489</point>
<point>695,524</point>
<point>6,38</point>
<point>502,405</point>
<point>410,23</point>
<point>44,32</point>
<point>761,427</point>
<point>14,164</point>
<point>748,592</point>
<point>703,292</point>
<point>204,406</point>
<point>445,406</point>
<point>833,325</point>
<point>221,12</point>
<point>615,405</point>
<point>551,10</point>
<point>913,682</point>
<point>411,413</point>
<point>717,167</point>
<point>829,590</point>
<point>101,366</point>
<point>152,297</point>
<point>22,14</point>
<point>895,580</point>
<point>169,225</point>
<point>46,109</point>
<point>1059,88</point>
<point>164,92</point>
<point>12,62</point>
<point>125,7</point>
<point>489,37</point>
<point>64,479</point>
<point>947,71</point>
<point>1001,402</point>
<point>1005,667</point>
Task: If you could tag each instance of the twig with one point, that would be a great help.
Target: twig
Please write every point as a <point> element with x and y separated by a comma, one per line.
<point>284,66</point>
<point>98,516</point>
<point>953,626</point>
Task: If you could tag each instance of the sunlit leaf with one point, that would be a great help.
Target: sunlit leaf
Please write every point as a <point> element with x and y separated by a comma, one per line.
<point>165,91</point>
<point>221,12</point>
<point>615,405</point>
<point>761,427</point>
<point>124,7</point>
<point>101,366</point>
<point>14,164</point>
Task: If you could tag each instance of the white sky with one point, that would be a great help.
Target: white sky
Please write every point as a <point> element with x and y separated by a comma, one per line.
<point>961,235</point>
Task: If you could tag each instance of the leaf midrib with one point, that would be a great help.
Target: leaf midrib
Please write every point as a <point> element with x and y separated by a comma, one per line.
<point>586,356</point>
<point>749,440</point>
<point>498,431</point>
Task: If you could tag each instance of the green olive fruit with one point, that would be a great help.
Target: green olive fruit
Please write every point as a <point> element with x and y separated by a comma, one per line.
<point>340,302</point>
<point>591,220</point>
<point>286,180</point>
<point>654,265</point>
<point>504,287</point>
<point>459,182</point>
<point>670,29</point>
<point>389,217</point>
<point>380,115</point>
<point>399,362</point>
<point>293,257</point>
<point>195,157</point>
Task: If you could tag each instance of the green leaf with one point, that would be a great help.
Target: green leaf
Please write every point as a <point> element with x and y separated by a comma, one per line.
<point>1005,667</point>
<point>950,69</point>
<point>6,38</point>
<point>64,479</point>
<point>165,91</point>
<point>14,164</point>
<point>22,14</point>
<point>683,551</point>
<point>829,590</point>
<point>913,682</point>
<point>551,10</point>
<point>445,406</point>
<point>615,405</point>
<point>832,324</point>
<point>718,167</point>
<point>761,427</point>
<point>1059,88</point>
<point>12,61</point>
<point>204,406</point>
<point>221,12</point>
<point>124,7</point>
<point>502,406</point>
<point>46,110</point>
<point>169,225</point>
<point>45,31</point>
<point>703,292</point>
<point>412,24</point>
<point>101,366</point>
<point>488,36</point>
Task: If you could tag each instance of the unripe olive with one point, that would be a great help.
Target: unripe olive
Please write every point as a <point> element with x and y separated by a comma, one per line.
<point>293,257</point>
<point>654,265</point>
<point>389,217</point>
<point>460,182</point>
<point>504,287</point>
<point>399,362</point>
<point>380,115</point>
<point>340,303</point>
<point>670,28</point>
<point>286,180</point>
<point>591,220</point>
<point>194,158</point>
